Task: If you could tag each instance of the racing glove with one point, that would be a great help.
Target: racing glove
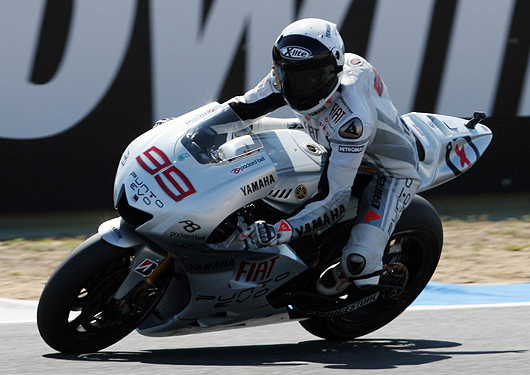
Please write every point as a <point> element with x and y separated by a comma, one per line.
<point>262,234</point>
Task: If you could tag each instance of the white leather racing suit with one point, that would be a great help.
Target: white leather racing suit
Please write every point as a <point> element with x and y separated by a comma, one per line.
<point>366,138</point>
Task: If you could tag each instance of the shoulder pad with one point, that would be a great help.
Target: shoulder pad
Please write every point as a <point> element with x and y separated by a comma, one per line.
<point>353,129</point>
<point>354,61</point>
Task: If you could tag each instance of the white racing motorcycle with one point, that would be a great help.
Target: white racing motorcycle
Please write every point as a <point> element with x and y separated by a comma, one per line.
<point>173,263</point>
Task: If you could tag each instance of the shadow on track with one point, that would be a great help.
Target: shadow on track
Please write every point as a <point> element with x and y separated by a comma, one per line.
<point>359,354</point>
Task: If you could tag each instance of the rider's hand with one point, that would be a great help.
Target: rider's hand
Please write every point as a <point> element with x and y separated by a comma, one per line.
<point>262,234</point>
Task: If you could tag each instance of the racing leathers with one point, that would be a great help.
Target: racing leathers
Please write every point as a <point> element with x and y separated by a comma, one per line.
<point>367,142</point>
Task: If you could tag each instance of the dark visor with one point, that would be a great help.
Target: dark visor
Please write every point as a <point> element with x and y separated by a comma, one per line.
<point>304,82</point>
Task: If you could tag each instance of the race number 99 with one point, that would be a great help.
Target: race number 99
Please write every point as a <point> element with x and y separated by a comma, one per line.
<point>171,180</point>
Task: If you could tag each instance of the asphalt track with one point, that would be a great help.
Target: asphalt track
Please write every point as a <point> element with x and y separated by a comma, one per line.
<point>449,329</point>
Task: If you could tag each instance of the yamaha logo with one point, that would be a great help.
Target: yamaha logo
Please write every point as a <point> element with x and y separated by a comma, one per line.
<point>300,192</point>
<point>295,53</point>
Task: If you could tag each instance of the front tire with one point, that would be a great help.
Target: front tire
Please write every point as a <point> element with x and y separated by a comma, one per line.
<point>419,237</point>
<point>75,312</point>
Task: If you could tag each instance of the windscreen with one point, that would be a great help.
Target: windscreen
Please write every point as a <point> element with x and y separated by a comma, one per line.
<point>203,140</point>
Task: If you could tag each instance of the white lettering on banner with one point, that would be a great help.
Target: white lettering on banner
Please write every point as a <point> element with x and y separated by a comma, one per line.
<point>475,56</point>
<point>99,35</point>
<point>524,105</point>
<point>397,46</point>
<point>191,61</point>
<point>191,66</point>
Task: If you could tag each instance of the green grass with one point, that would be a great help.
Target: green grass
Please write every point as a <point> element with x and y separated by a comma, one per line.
<point>515,247</point>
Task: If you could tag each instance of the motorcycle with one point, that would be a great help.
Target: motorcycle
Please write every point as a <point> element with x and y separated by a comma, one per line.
<point>174,263</point>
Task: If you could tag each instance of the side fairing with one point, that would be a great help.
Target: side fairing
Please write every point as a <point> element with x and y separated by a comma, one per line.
<point>188,200</point>
<point>298,161</point>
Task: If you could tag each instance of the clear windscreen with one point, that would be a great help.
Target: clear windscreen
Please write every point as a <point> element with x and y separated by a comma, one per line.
<point>204,139</point>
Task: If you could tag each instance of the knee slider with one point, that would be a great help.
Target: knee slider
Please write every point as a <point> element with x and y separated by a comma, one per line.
<point>355,263</point>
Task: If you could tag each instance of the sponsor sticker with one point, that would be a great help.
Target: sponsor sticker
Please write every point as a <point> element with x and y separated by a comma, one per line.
<point>337,113</point>
<point>353,129</point>
<point>258,185</point>
<point>351,149</point>
<point>284,227</point>
<point>300,192</point>
<point>174,183</point>
<point>212,266</point>
<point>321,222</point>
<point>355,62</point>
<point>247,165</point>
<point>255,271</point>
<point>461,152</point>
<point>295,53</point>
<point>183,156</point>
<point>146,268</point>
<point>371,215</point>
<point>347,309</point>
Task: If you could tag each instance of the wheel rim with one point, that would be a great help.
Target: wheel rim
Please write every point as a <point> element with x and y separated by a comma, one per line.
<point>96,315</point>
<point>93,315</point>
<point>412,251</point>
<point>358,312</point>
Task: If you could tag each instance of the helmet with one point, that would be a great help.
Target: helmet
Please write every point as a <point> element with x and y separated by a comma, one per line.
<point>308,57</point>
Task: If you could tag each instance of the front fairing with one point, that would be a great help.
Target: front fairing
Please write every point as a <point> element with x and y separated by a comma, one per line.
<point>184,183</point>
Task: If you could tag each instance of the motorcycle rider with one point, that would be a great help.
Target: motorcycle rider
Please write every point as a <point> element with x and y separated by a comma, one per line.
<point>343,104</point>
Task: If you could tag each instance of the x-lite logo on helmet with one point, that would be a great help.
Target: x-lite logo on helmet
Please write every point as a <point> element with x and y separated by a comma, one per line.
<point>295,53</point>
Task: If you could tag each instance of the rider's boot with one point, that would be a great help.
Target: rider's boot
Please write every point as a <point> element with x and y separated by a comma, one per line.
<point>359,273</point>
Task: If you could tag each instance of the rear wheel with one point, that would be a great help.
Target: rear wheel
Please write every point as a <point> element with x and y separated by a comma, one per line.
<point>412,255</point>
<point>76,312</point>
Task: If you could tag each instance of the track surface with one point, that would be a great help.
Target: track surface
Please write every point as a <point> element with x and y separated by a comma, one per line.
<point>471,340</point>
<point>484,339</point>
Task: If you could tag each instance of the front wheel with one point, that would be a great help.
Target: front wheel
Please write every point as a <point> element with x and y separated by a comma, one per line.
<point>415,244</point>
<point>76,312</point>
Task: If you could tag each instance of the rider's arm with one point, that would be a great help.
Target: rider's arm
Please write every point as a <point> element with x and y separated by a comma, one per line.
<point>272,123</point>
<point>259,101</point>
<point>348,146</point>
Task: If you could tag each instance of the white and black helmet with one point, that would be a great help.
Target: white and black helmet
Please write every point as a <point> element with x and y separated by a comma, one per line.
<point>308,57</point>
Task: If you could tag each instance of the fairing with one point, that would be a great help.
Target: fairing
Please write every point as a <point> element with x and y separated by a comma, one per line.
<point>190,173</point>
<point>450,148</point>
<point>179,181</point>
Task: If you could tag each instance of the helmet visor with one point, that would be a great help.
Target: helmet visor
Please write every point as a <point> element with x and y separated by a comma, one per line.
<point>305,88</point>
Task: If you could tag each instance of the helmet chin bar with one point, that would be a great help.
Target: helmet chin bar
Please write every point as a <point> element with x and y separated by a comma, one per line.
<point>322,104</point>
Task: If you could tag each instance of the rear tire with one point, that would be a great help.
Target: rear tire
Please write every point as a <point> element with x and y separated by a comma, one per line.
<point>75,313</point>
<point>419,233</point>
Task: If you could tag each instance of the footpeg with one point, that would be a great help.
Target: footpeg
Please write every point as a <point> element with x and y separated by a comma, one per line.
<point>333,281</point>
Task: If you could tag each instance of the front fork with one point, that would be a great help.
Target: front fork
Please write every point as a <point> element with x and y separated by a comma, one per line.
<point>137,293</point>
<point>147,275</point>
